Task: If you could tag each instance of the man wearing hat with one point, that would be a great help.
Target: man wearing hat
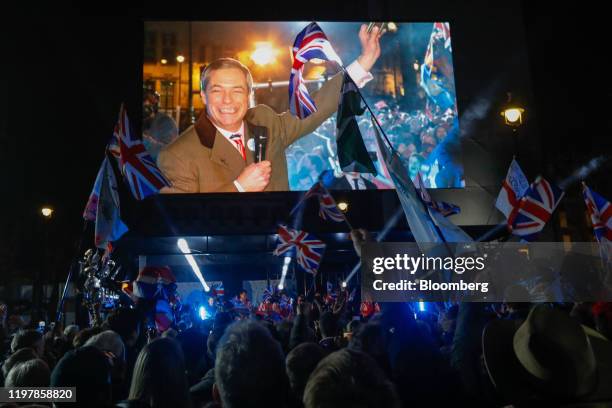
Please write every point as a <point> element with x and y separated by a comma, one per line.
<point>548,360</point>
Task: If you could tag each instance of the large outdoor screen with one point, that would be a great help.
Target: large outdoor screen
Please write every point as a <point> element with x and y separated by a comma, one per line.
<point>217,98</point>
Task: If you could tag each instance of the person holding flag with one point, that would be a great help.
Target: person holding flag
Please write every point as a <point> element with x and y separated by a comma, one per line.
<point>234,147</point>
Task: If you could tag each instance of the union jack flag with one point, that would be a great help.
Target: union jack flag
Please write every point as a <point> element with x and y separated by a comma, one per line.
<point>309,250</point>
<point>534,209</point>
<point>310,43</point>
<point>327,205</point>
<point>218,290</point>
<point>137,166</point>
<point>600,211</point>
<point>442,207</point>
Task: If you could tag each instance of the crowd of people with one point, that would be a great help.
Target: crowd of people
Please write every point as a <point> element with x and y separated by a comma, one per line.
<point>325,349</point>
<point>325,355</point>
<point>426,139</point>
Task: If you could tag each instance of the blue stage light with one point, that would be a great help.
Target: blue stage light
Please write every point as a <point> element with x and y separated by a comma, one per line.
<point>421,306</point>
<point>202,313</point>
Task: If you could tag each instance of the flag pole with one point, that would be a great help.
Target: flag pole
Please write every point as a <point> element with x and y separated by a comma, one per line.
<point>367,106</point>
<point>73,264</point>
<point>348,224</point>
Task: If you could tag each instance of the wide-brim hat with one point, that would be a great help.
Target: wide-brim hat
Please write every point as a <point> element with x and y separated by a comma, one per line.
<point>549,358</point>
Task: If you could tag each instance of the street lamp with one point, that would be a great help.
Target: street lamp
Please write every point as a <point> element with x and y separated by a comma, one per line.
<point>180,59</point>
<point>37,288</point>
<point>264,53</point>
<point>343,206</point>
<point>46,212</point>
<point>164,61</point>
<point>513,116</point>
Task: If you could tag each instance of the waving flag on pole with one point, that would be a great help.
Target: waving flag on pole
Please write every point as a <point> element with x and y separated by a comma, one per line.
<point>327,205</point>
<point>426,225</point>
<point>600,211</point>
<point>138,167</point>
<point>352,152</point>
<point>437,68</point>
<point>513,188</point>
<point>535,209</point>
<point>309,250</point>
<point>218,290</point>
<point>442,207</point>
<point>310,43</point>
<point>104,199</point>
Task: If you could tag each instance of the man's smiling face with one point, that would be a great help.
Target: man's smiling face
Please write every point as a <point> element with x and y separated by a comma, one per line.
<point>226,98</point>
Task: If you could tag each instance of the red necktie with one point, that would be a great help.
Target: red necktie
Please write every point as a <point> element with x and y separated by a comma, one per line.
<point>238,140</point>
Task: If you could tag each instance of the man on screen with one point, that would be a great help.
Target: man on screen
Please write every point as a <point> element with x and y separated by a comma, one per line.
<point>215,155</point>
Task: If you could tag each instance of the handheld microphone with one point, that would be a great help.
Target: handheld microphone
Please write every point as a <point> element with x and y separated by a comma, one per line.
<point>259,143</point>
<point>262,143</point>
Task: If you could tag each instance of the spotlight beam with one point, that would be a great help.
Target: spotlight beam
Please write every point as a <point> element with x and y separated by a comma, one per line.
<point>286,263</point>
<point>182,244</point>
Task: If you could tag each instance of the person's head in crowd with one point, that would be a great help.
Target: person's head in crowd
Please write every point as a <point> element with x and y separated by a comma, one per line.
<point>81,337</point>
<point>283,330</point>
<point>31,373</point>
<point>70,331</point>
<point>414,164</point>
<point>310,166</point>
<point>126,323</point>
<point>108,341</point>
<point>246,352</point>
<point>170,333</point>
<point>328,325</point>
<point>371,338</point>
<point>159,377</point>
<point>351,328</point>
<point>428,143</point>
<point>300,363</point>
<point>222,320</point>
<point>349,378</point>
<point>211,301</point>
<point>298,154</point>
<point>89,370</point>
<point>548,359</point>
<point>440,133</point>
<point>161,131</point>
<point>602,313</point>
<point>447,319</point>
<point>583,312</point>
<point>401,148</point>
<point>29,338</point>
<point>150,105</point>
<point>517,310</point>
<point>242,295</point>
<point>20,356</point>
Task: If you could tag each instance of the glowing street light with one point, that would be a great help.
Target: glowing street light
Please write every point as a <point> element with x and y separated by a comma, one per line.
<point>513,116</point>
<point>180,59</point>
<point>164,61</point>
<point>264,53</point>
<point>47,212</point>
